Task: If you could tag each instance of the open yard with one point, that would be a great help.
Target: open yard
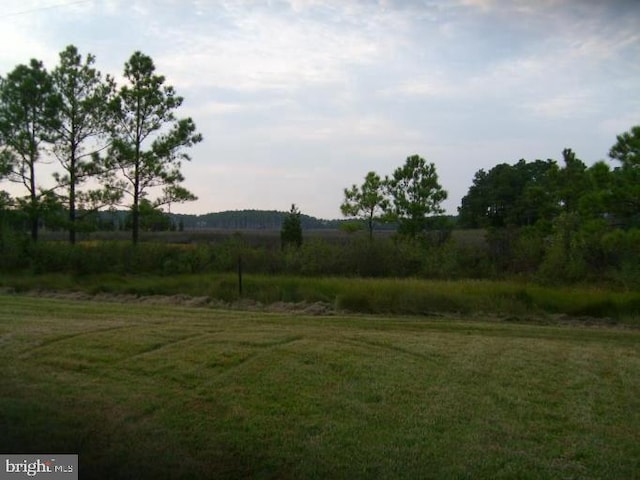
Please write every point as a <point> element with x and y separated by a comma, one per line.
<point>150,391</point>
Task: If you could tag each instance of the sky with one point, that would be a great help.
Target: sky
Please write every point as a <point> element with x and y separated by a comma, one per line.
<point>298,99</point>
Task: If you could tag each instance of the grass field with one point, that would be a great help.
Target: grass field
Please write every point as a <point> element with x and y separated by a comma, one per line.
<point>142,391</point>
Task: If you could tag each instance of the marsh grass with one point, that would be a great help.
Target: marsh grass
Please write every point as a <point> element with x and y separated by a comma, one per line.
<point>200,393</point>
<point>380,296</point>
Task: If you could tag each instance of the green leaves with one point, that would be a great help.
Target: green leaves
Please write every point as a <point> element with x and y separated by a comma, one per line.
<point>80,115</point>
<point>28,118</point>
<point>410,196</point>
<point>28,108</point>
<point>626,188</point>
<point>291,233</point>
<point>148,141</point>
<point>368,202</point>
<point>627,148</point>
<point>84,120</point>
<point>508,195</point>
<point>415,194</point>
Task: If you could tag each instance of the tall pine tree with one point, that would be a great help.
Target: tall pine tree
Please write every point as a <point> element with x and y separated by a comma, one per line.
<point>149,141</point>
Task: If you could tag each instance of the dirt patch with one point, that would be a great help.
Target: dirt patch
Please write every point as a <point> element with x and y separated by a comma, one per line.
<point>317,308</point>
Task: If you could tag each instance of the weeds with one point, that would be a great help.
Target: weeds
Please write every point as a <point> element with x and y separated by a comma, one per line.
<point>380,296</point>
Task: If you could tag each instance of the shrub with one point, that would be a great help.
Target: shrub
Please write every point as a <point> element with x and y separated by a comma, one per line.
<point>621,250</point>
<point>13,245</point>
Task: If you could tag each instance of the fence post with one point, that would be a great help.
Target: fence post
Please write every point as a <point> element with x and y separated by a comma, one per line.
<point>240,275</point>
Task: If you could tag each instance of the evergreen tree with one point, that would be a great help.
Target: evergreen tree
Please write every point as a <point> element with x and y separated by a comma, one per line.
<point>291,233</point>
<point>81,132</point>
<point>149,140</point>
<point>415,194</point>
<point>367,202</point>
<point>626,190</point>
<point>28,118</point>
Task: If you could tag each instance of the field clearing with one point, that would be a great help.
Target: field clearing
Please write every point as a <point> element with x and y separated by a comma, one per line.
<point>151,391</point>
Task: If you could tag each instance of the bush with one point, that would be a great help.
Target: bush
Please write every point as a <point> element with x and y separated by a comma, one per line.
<point>621,250</point>
<point>573,252</point>
<point>13,245</point>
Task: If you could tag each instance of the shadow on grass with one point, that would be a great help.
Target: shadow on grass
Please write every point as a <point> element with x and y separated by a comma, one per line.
<point>116,447</point>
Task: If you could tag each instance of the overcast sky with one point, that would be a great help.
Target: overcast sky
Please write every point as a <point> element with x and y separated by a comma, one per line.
<point>298,99</point>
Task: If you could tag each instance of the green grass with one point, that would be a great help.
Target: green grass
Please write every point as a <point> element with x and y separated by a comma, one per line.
<point>380,296</point>
<point>143,391</point>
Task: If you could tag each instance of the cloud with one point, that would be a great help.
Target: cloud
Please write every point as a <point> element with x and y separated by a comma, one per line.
<point>563,106</point>
<point>271,49</point>
<point>299,98</point>
<point>611,127</point>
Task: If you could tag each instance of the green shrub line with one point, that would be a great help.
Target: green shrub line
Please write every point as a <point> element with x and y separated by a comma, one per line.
<point>359,295</point>
<point>464,274</point>
<point>610,259</point>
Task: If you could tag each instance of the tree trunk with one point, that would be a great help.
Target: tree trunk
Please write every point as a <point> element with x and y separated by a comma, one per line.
<point>135,218</point>
<point>72,210</point>
<point>33,214</point>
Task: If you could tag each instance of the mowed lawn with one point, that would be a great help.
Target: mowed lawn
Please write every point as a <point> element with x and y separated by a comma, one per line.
<point>147,391</point>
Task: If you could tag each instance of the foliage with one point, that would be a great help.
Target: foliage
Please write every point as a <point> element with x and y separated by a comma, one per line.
<point>509,195</point>
<point>544,220</point>
<point>626,190</point>
<point>75,111</point>
<point>28,118</point>
<point>526,301</point>
<point>573,253</point>
<point>351,227</point>
<point>151,218</point>
<point>552,222</point>
<point>81,132</point>
<point>368,202</point>
<point>622,251</point>
<point>598,199</point>
<point>291,232</point>
<point>11,238</point>
<point>148,139</point>
<point>572,182</point>
<point>627,148</point>
<point>415,194</point>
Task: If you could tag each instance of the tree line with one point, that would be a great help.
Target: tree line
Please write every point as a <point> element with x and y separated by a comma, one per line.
<point>558,220</point>
<point>124,145</point>
<point>523,194</point>
<point>113,144</point>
